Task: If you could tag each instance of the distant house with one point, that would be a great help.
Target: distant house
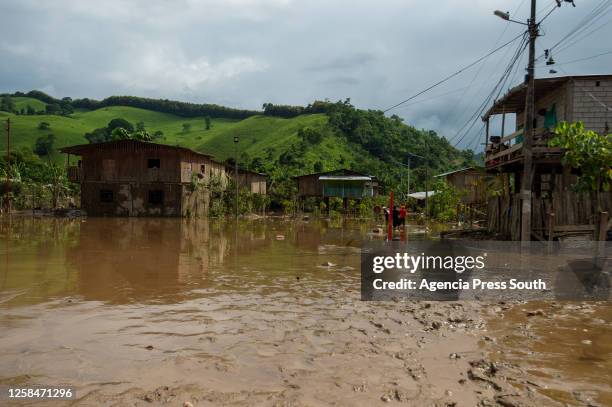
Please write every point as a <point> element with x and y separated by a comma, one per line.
<point>470,182</point>
<point>341,183</point>
<point>254,182</point>
<point>136,178</point>
<point>585,98</point>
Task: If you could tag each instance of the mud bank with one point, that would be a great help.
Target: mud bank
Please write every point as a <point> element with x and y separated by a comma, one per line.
<point>330,351</point>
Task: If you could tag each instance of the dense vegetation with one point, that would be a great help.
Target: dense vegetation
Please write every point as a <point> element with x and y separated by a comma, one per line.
<point>67,106</point>
<point>283,142</point>
<point>588,151</point>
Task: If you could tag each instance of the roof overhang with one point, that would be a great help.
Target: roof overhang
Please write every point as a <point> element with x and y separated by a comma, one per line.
<point>514,100</point>
<point>421,195</point>
<point>126,145</point>
<point>344,178</point>
<point>456,171</point>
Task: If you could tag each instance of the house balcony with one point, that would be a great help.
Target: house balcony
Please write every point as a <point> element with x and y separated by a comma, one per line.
<point>507,151</point>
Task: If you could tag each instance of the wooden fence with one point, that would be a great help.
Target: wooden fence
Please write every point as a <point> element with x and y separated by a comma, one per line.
<point>572,213</point>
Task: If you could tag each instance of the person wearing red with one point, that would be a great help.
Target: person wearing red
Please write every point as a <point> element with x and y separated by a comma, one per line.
<point>402,215</point>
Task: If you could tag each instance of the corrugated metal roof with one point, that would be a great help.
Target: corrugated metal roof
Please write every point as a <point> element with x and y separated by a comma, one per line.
<point>422,194</point>
<point>344,178</point>
<point>452,172</point>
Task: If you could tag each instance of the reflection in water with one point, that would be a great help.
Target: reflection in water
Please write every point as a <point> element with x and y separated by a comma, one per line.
<point>141,260</point>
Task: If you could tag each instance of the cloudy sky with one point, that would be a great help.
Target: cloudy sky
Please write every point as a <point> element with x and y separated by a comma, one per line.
<point>242,53</point>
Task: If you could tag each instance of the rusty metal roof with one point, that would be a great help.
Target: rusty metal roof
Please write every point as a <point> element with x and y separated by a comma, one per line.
<point>514,100</point>
<point>125,145</point>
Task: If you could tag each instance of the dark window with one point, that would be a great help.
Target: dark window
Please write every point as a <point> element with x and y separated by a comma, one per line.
<point>156,197</point>
<point>202,168</point>
<point>106,195</point>
<point>597,83</point>
<point>153,163</point>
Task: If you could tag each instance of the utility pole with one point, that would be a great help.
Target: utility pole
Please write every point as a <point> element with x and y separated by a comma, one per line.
<point>426,195</point>
<point>8,165</point>
<point>236,171</point>
<point>528,130</point>
<point>408,186</point>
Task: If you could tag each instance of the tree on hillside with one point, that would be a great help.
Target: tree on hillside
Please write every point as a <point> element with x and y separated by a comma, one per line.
<point>119,122</point>
<point>44,145</point>
<point>7,104</point>
<point>44,126</point>
<point>207,122</point>
<point>53,108</point>
<point>142,135</point>
<point>158,135</point>
<point>119,133</point>
<point>140,126</point>
<point>98,135</point>
<point>30,111</point>
<point>309,135</point>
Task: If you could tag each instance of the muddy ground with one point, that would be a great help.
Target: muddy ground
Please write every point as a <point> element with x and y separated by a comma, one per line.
<point>341,351</point>
<point>168,312</point>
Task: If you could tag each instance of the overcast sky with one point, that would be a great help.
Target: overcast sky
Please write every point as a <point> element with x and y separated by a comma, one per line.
<point>242,53</point>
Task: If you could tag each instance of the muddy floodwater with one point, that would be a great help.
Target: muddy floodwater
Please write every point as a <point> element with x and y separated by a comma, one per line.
<point>268,312</point>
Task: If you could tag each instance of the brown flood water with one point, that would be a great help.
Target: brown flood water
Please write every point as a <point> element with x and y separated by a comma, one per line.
<point>160,311</point>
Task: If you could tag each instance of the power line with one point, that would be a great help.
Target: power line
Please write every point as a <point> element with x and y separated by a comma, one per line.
<point>436,96</point>
<point>580,38</point>
<point>596,14</point>
<point>582,59</point>
<point>454,74</point>
<point>495,91</point>
<point>554,7</point>
<point>452,113</point>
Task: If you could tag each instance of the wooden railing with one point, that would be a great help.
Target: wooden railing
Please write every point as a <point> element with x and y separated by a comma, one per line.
<point>502,150</point>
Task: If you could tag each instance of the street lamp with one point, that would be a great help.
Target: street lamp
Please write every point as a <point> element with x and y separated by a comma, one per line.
<point>236,171</point>
<point>506,16</point>
<point>426,178</point>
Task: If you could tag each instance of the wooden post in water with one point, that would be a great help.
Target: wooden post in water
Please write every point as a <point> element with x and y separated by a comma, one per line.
<point>551,226</point>
<point>390,226</point>
<point>603,226</point>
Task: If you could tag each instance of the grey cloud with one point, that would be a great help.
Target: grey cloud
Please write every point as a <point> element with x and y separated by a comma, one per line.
<point>243,53</point>
<point>347,62</point>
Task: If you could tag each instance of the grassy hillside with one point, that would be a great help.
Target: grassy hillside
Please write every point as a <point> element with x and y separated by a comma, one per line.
<point>258,135</point>
<point>24,102</point>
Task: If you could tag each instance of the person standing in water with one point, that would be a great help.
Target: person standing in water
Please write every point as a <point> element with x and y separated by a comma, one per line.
<point>395,216</point>
<point>402,216</point>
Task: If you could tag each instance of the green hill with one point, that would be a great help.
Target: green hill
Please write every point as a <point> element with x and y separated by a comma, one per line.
<point>296,143</point>
<point>23,103</point>
<point>256,133</point>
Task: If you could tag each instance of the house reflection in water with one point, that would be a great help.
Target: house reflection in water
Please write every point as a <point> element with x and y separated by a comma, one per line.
<point>125,260</point>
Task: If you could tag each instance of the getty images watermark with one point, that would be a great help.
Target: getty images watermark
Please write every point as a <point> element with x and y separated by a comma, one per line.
<point>485,270</point>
